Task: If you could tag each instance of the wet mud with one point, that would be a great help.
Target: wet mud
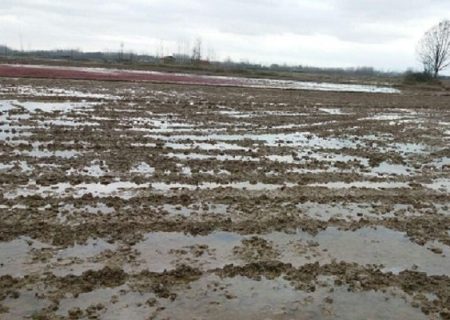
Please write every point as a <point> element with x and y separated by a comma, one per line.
<point>158,201</point>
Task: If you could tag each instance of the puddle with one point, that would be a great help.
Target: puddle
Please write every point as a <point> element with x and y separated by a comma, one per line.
<point>16,259</point>
<point>442,185</point>
<point>145,145</point>
<point>308,85</point>
<point>14,134</point>
<point>171,130</point>
<point>303,139</point>
<point>38,91</point>
<point>237,114</point>
<point>443,209</point>
<point>346,211</point>
<point>163,123</point>
<point>408,148</point>
<point>365,246</point>
<point>67,123</point>
<point>98,208</point>
<point>199,156</point>
<point>121,189</point>
<point>127,190</point>
<point>33,106</point>
<point>186,171</point>
<point>119,303</point>
<point>334,157</point>
<point>23,166</point>
<point>392,249</point>
<point>197,209</point>
<point>94,170</point>
<point>83,251</point>
<point>321,170</point>
<point>321,162</point>
<point>164,250</point>
<point>205,146</point>
<point>78,258</point>
<point>7,105</point>
<point>43,153</point>
<point>245,185</point>
<point>361,184</point>
<point>25,306</point>
<point>21,257</point>
<point>335,111</point>
<point>244,298</point>
<point>143,168</point>
<point>354,211</point>
<point>441,163</point>
<point>386,168</point>
<point>387,117</point>
<point>5,167</point>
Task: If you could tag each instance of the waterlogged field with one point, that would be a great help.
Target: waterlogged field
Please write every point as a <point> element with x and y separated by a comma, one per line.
<point>109,74</point>
<point>149,201</point>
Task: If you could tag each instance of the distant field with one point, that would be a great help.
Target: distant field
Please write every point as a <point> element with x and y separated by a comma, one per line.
<point>103,74</point>
<point>27,71</point>
<point>218,70</point>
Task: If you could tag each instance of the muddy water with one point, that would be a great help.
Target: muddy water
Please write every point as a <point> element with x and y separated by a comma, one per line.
<point>241,297</point>
<point>381,246</point>
<point>159,201</point>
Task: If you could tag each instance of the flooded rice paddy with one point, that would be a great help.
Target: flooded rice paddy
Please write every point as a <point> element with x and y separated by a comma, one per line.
<point>152,201</point>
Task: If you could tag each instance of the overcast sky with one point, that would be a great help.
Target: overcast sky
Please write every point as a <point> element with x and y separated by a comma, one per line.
<point>343,33</point>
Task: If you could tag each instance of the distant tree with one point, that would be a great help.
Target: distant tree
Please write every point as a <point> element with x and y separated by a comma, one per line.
<point>434,48</point>
<point>121,51</point>
<point>197,50</point>
<point>4,50</point>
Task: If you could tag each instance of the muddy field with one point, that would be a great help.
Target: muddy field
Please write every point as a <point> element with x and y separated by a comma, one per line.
<point>109,74</point>
<point>150,201</point>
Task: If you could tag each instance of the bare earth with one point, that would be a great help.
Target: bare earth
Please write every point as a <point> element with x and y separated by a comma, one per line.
<point>125,200</point>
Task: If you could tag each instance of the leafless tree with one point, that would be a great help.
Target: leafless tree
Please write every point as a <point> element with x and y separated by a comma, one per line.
<point>434,48</point>
<point>197,50</point>
<point>121,51</point>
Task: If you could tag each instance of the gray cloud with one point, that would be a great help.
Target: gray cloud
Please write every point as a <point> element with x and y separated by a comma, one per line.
<point>382,33</point>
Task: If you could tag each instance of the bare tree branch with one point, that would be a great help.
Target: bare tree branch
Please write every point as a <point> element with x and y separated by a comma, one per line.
<point>434,48</point>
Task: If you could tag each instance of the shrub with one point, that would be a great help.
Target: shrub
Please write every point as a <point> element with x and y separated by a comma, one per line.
<point>418,77</point>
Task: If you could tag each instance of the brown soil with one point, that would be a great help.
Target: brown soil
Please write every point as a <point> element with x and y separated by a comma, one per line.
<point>149,189</point>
